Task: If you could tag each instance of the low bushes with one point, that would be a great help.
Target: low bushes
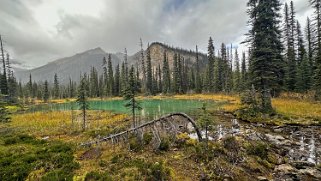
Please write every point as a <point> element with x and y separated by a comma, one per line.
<point>23,154</point>
<point>259,149</point>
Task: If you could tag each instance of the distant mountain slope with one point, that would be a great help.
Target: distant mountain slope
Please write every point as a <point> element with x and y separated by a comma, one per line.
<point>72,67</point>
<point>69,67</point>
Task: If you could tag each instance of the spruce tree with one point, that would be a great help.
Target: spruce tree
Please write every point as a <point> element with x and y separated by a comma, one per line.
<point>237,73</point>
<point>130,93</point>
<point>143,68</point>
<point>310,43</point>
<point>45,92</point>
<point>149,74</point>
<point>243,72</point>
<point>138,80</point>
<point>301,51</point>
<point>210,66</point>
<point>29,87</point>
<point>166,75</point>
<point>101,86</point>
<point>160,81</point>
<point>3,77</point>
<point>110,79</point>
<point>93,83</point>
<point>71,88</point>
<point>12,83</point>
<point>126,64</point>
<point>176,76</point>
<point>290,47</point>
<point>34,89</point>
<point>191,80</point>
<point>117,81</point>
<point>228,84</point>
<point>180,70</point>
<point>20,90</point>
<point>316,4</point>
<point>222,69</point>
<point>155,82</point>
<point>303,78</point>
<point>105,75</point>
<point>198,83</point>
<point>82,99</point>
<point>56,92</point>
<point>266,59</point>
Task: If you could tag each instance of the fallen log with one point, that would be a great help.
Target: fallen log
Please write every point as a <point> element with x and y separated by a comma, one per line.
<point>163,118</point>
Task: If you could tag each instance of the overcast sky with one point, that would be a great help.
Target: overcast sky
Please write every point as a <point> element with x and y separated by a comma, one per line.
<point>39,31</point>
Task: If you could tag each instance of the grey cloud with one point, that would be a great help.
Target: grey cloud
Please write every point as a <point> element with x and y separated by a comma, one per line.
<point>121,23</point>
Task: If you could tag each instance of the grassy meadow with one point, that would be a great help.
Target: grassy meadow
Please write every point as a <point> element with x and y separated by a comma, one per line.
<point>45,145</point>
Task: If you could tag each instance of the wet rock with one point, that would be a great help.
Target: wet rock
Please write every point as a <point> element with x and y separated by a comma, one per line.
<point>259,125</point>
<point>284,168</point>
<point>275,139</point>
<point>261,178</point>
<point>312,172</point>
<point>227,177</point>
<point>255,136</point>
<point>285,172</point>
<point>302,164</point>
<point>278,129</point>
<point>45,138</point>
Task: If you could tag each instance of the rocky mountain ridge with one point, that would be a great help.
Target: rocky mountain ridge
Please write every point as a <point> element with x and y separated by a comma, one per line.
<point>73,66</point>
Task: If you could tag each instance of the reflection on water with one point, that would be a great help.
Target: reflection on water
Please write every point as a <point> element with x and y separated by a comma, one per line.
<point>302,144</point>
<point>311,146</point>
<point>305,147</point>
<point>220,132</point>
<point>151,108</point>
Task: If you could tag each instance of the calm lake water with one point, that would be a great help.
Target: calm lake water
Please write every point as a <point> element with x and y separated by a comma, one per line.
<point>151,108</point>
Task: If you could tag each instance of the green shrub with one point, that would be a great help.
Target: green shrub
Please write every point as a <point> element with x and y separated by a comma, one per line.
<point>258,149</point>
<point>135,144</point>
<point>27,154</point>
<point>116,158</point>
<point>96,176</point>
<point>165,144</point>
<point>57,175</point>
<point>102,163</point>
<point>231,144</point>
<point>148,138</point>
<point>21,138</point>
<point>159,172</point>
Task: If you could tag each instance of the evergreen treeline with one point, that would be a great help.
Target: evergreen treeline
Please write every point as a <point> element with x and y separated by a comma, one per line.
<point>282,56</point>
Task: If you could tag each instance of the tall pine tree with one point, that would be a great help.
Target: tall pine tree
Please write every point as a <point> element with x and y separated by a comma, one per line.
<point>56,92</point>
<point>110,79</point>
<point>266,59</point>
<point>3,77</point>
<point>149,82</point>
<point>316,4</point>
<point>166,75</point>
<point>198,83</point>
<point>210,69</point>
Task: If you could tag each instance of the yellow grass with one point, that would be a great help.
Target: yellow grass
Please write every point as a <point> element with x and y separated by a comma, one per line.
<point>58,124</point>
<point>214,97</point>
<point>285,105</point>
<point>299,108</point>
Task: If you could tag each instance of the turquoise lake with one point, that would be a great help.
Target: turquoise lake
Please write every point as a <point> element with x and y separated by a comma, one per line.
<point>150,107</point>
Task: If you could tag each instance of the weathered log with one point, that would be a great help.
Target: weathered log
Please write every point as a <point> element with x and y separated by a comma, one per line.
<point>149,123</point>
